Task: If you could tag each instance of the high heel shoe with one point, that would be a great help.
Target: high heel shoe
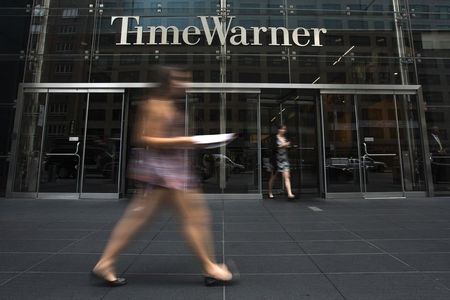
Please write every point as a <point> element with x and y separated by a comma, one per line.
<point>270,196</point>
<point>112,283</point>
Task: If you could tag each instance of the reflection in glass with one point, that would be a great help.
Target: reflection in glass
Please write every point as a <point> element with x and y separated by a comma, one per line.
<point>341,144</point>
<point>29,145</point>
<point>380,159</point>
<point>103,144</point>
<point>234,168</point>
<point>63,142</point>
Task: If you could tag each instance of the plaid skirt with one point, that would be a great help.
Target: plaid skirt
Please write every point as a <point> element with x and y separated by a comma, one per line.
<point>165,168</point>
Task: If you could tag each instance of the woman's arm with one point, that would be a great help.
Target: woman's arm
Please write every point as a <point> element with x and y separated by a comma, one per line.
<point>171,142</point>
<point>285,144</point>
<point>152,123</point>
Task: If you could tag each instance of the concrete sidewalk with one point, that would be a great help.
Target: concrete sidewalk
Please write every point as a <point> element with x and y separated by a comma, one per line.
<point>308,249</point>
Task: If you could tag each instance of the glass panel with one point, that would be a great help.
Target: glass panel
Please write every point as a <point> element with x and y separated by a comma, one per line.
<point>62,151</point>
<point>233,169</point>
<point>341,144</point>
<point>204,117</point>
<point>29,145</point>
<point>381,161</point>
<point>103,143</point>
<point>241,165</point>
<point>439,141</point>
<point>299,116</point>
<point>411,143</point>
<point>60,42</point>
<point>7,123</point>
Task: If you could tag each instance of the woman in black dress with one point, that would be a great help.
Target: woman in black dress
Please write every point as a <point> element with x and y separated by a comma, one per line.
<point>280,163</point>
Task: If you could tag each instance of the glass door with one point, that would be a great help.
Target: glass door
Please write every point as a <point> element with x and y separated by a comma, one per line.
<point>62,144</point>
<point>380,159</point>
<point>362,144</point>
<point>297,110</point>
<point>69,143</point>
<point>234,168</point>
<point>103,143</point>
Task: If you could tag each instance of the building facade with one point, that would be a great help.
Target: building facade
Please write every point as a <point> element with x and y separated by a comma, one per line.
<point>362,86</point>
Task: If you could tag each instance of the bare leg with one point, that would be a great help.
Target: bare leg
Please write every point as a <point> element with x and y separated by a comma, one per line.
<point>272,178</point>
<point>287,184</point>
<point>197,229</point>
<point>137,214</point>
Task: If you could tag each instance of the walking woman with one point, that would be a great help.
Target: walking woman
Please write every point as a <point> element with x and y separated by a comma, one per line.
<point>161,164</point>
<point>280,162</point>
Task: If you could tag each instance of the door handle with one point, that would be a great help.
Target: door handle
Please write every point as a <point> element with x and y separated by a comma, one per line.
<point>376,154</point>
<point>65,154</point>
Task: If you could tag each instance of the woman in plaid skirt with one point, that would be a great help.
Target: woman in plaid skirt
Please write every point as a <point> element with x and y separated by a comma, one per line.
<point>160,163</point>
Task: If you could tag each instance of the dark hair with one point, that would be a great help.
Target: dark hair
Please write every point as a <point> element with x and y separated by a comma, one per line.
<point>162,76</point>
<point>280,126</point>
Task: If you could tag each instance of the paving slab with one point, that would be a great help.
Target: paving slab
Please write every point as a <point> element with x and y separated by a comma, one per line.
<point>360,263</point>
<point>388,287</point>
<point>352,249</point>
<point>180,287</point>
<point>291,287</point>
<point>52,286</point>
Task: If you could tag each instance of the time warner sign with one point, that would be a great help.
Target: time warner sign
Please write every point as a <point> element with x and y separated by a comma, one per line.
<point>192,35</point>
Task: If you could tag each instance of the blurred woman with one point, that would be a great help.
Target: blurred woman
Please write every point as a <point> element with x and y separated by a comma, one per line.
<point>161,165</point>
<point>279,162</point>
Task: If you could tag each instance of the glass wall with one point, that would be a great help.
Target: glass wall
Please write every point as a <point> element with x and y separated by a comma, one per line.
<point>372,144</point>
<point>15,22</point>
<point>269,41</point>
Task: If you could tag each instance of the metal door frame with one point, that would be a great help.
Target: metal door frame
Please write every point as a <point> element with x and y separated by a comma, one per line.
<point>238,88</point>
<point>58,89</point>
<point>394,92</point>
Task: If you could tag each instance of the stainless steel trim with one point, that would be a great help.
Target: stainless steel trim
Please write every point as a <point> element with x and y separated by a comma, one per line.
<point>35,90</point>
<point>74,90</point>
<point>384,195</point>
<point>125,143</point>
<point>350,195</point>
<point>233,196</point>
<point>320,145</point>
<point>222,90</point>
<point>374,90</point>
<point>69,196</point>
<point>100,196</point>
<point>362,167</point>
<point>41,150</point>
<point>121,147</point>
<point>324,158</point>
<point>258,134</point>
<point>15,142</point>
<point>80,180</point>
<point>223,151</point>
<point>201,85</point>
<point>402,177</point>
<point>425,145</point>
